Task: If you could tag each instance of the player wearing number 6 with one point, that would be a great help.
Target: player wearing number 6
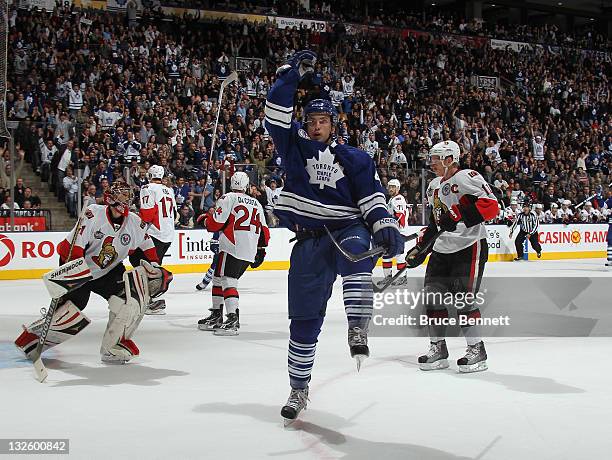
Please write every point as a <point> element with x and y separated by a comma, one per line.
<point>158,209</point>
<point>243,238</point>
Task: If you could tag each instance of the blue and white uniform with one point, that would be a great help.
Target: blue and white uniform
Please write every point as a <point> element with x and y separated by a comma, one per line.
<point>333,185</point>
<point>607,212</point>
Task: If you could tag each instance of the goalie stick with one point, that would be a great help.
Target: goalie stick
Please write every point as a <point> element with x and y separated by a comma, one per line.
<point>68,281</point>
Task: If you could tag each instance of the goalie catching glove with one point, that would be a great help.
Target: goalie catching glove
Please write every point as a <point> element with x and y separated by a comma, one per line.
<point>159,278</point>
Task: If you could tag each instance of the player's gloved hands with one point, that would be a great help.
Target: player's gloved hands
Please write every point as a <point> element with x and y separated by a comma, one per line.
<point>159,277</point>
<point>415,257</point>
<point>302,62</point>
<point>448,220</point>
<point>214,246</point>
<point>387,234</point>
<point>259,257</point>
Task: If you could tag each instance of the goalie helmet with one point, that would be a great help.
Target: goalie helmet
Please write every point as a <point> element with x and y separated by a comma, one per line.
<point>445,149</point>
<point>240,181</point>
<point>120,197</point>
<point>156,172</point>
<point>321,106</point>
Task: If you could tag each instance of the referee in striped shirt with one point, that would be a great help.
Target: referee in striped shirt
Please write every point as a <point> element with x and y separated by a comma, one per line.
<point>528,224</point>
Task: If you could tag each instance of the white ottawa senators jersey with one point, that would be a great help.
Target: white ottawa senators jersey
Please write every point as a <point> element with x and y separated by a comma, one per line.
<point>464,186</point>
<point>398,208</point>
<point>103,244</point>
<point>158,206</point>
<point>241,221</point>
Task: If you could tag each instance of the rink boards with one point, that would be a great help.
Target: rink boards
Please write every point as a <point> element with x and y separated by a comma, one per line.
<point>29,255</point>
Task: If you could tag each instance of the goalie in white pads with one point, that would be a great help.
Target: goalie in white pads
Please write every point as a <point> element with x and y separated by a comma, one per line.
<point>105,236</point>
<point>398,208</point>
<point>244,235</point>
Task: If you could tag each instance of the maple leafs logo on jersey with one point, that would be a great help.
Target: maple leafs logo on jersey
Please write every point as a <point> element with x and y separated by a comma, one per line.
<point>324,171</point>
<point>108,254</point>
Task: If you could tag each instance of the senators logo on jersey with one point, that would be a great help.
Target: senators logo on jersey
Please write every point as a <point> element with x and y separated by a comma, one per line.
<point>107,255</point>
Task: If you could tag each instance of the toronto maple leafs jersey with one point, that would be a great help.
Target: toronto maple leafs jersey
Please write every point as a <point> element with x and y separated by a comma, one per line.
<point>105,244</point>
<point>331,185</point>
<point>462,187</point>
<point>398,208</point>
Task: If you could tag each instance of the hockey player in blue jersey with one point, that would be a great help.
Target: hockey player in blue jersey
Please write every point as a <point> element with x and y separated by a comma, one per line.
<point>607,212</point>
<point>333,185</point>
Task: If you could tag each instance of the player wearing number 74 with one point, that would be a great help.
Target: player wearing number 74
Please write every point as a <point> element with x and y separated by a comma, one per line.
<point>244,235</point>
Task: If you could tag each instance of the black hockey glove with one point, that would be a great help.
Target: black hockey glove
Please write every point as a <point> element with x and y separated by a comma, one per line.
<point>387,235</point>
<point>302,62</point>
<point>415,257</point>
<point>259,257</point>
<point>448,220</point>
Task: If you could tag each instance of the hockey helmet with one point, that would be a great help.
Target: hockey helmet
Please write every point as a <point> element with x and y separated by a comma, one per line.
<point>394,183</point>
<point>240,181</point>
<point>588,203</point>
<point>513,201</point>
<point>554,205</point>
<point>156,172</point>
<point>120,197</point>
<point>445,149</point>
<point>539,206</point>
<point>567,202</point>
<point>321,106</point>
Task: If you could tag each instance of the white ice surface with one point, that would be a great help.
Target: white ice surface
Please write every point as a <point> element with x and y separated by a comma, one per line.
<point>194,395</point>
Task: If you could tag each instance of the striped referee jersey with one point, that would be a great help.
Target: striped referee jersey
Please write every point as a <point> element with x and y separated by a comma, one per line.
<point>528,223</point>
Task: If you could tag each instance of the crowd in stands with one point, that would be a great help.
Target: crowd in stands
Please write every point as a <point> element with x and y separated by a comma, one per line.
<point>403,15</point>
<point>25,199</point>
<point>102,99</point>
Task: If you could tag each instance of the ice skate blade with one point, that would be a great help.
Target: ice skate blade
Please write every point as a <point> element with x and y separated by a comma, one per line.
<point>155,312</point>
<point>225,332</point>
<point>439,364</point>
<point>200,287</point>
<point>287,422</point>
<point>478,367</point>
<point>359,359</point>
<point>204,327</point>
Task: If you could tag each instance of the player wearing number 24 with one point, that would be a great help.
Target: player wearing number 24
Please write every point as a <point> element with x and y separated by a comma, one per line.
<point>243,237</point>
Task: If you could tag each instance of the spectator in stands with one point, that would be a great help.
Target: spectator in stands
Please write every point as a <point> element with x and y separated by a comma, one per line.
<point>7,203</point>
<point>185,218</point>
<point>20,189</point>
<point>71,187</point>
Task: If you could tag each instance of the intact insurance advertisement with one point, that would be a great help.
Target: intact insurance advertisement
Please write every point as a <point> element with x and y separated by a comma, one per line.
<point>28,255</point>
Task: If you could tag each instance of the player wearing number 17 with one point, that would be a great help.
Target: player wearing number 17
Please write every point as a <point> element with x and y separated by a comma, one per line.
<point>158,209</point>
<point>243,238</point>
<point>328,185</point>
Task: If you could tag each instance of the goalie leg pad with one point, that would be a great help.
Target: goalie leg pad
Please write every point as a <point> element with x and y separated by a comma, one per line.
<point>67,322</point>
<point>124,318</point>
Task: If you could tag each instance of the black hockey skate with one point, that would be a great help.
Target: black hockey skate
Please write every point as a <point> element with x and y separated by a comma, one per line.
<point>298,399</point>
<point>212,321</point>
<point>230,326</point>
<point>475,359</point>
<point>436,357</point>
<point>201,285</point>
<point>358,344</point>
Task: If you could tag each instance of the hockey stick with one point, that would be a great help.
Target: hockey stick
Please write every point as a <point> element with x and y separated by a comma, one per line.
<point>39,368</point>
<point>424,250</point>
<point>232,77</point>
<point>374,252</point>
<point>582,203</point>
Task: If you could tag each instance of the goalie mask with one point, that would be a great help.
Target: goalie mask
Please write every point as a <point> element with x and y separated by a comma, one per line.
<point>119,196</point>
